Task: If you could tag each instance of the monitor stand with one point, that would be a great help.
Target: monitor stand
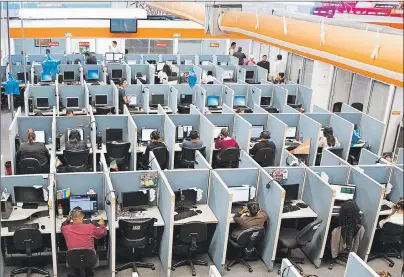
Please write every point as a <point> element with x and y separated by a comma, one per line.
<point>30,206</point>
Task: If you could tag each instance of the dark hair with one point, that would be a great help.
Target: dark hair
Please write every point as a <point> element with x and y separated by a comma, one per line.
<point>224,132</point>
<point>155,135</point>
<point>265,135</point>
<point>233,43</point>
<point>167,69</point>
<point>69,111</point>
<point>77,61</point>
<point>279,57</point>
<point>193,134</point>
<point>114,42</point>
<point>400,204</point>
<point>387,155</point>
<point>75,135</point>
<point>121,81</point>
<point>329,135</point>
<point>139,75</point>
<point>253,208</point>
<point>31,137</point>
<point>126,51</point>
<point>349,217</point>
<point>47,51</point>
<point>265,56</point>
<point>209,73</point>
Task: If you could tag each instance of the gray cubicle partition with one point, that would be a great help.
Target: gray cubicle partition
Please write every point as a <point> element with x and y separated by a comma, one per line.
<point>288,270</point>
<point>114,122</point>
<point>368,158</point>
<point>200,98</point>
<point>102,89</point>
<point>310,129</point>
<point>239,177</point>
<point>242,132</point>
<point>357,267</point>
<point>396,180</point>
<point>74,122</point>
<point>40,91</point>
<point>400,156</point>
<point>137,94</point>
<point>322,118</point>
<point>73,91</point>
<point>330,159</point>
<point>278,129</point>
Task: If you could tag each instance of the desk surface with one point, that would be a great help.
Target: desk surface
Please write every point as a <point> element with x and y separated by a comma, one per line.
<point>289,143</point>
<point>302,213</point>
<point>207,216</point>
<point>45,221</point>
<point>83,111</point>
<point>19,213</point>
<point>152,212</point>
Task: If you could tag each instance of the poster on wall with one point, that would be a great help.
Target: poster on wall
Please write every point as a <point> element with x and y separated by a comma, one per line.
<point>161,44</point>
<point>53,43</point>
<point>42,42</point>
<point>214,45</point>
<point>84,47</point>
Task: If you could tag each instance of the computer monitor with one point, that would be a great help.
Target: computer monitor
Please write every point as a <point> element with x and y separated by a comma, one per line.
<point>46,77</point>
<point>40,136</point>
<point>157,99</point>
<point>185,198</point>
<point>265,101</point>
<point>118,57</point>
<point>217,130</point>
<point>101,100</point>
<point>256,131</point>
<point>249,75</point>
<point>160,66</point>
<point>72,102</point>
<point>239,100</point>
<point>87,202</point>
<point>93,74</point>
<point>240,194</point>
<point>68,75</point>
<point>213,100</point>
<point>28,194</point>
<point>186,99</point>
<point>291,99</point>
<point>81,132</point>
<point>42,102</point>
<point>291,133</point>
<point>113,134</point>
<point>151,61</point>
<point>228,75</point>
<point>145,134</point>
<point>205,63</point>
<point>135,199</point>
<point>20,76</point>
<point>344,193</point>
<point>109,57</point>
<point>116,74</point>
<point>292,192</point>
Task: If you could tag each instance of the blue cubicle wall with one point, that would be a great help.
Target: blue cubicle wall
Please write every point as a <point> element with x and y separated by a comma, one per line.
<point>114,122</point>
<point>72,91</point>
<point>357,267</point>
<point>102,89</point>
<point>37,123</point>
<point>74,122</point>
<point>396,180</point>
<point>8,182</point>
<point>39,91</point>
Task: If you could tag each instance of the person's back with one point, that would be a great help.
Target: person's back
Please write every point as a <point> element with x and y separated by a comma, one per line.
<point>194,143</point>
<point>33,149</point>
<point>240,55</point>
<point>261,145</point>
<point>355,136</point>
<point>74,145</point>
<point>256,217</point>
<point>155,142</point>
<point>91,60</point>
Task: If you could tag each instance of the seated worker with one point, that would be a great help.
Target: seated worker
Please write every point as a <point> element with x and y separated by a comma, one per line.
<point>139,77</point>
<point>397,215</point>
<point>356,135</point>
<point>328,140</point>
<point>249,217</point>
<point>163,74</point>
<point>388,157</point>
<point>69,112</point>
<point>75,142</point>
<point>208,78</point>
<point>36,150</point>
<point>123,99</point>
<point>263,142</point>
<point>91,58</point>
<point>194,143</point>
<point>155,142</point>
<point>223,141</point>
<point>80,235</point>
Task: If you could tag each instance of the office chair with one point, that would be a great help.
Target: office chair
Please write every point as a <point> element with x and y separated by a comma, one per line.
<point>104,110</point>
<point>191,234</point>
<point>28,239</point>
<point>188,156</point>
<point>292,239</point>
<point>210,83</point>
<point>82,261</point>
<point>357,105</point>
<point>229,158</point>
<point>391,234</point>
<point>161,154</point>
<point>135,236</point>
<point>245,243</point>
<point>336,108</point>
<point>76,161</point>
<point>118,151</point>
<point>265,157</point>
<point>183,109</point>
<point>271,109</point>
<point>29,166</point>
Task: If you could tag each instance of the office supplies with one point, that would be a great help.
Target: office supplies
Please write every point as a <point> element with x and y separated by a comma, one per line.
<point>68,75</point>
<point>46,77</point>
<point>249,75</point>
<point>343,193</point>
<point>256,131</point>
<point>116,74</point>
<point>145,134</point>
<point>31,196</point>
<point>186,99</point>
<point>148,180</point>
<point>78,129</point>
<point>87,202</point>
<point>291,133</point>
<point>265,100</point>
<point>185,199</point>
<point>239,101</point>
<point>72,102</point>
<point>185,214</point>
<point>135,200</point>
<point>93,74</point>
<point>291,99</point>
<point>101,100</point>
<point>157,99</point>
<point>212,101</point>
<point>292,192</point>
<point>113,134</point>
<point>42,103</point>
<point>240,194</point>
<point>40,136</point>
<point>160,66</point>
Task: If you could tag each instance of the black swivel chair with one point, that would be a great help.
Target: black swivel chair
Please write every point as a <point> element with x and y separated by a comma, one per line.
<point>391,234</point>
<point>336,108</point>
<point>191,234</point>
<point>265,157</point>
<point>161,154</point>
<point>229,158</point>
<point>135,236</point>
<point>76,161</point>
<point>357,105</point>
<point>210,83</point>
<point>188,156</point>
<point>292,239</point>
<point>183,109</point>
<point>29,166</point>
<point>82,261</point>
<point>118,151</point>
<point>104,110</point>
<point>245,243</point>
<point>28,239</point>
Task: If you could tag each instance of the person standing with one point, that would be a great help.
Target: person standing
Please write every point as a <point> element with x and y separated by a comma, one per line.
<point>114,48</point>
<point>264,63</point>
<point>232,48</point>
<point>240,56</point>
<point>280,67</point>
<point>123,99</point>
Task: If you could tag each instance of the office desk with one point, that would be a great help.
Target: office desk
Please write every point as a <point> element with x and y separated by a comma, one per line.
<point>79,112</point>
<point>152,212</point>
<point>19,213</point>
<point>302,213</point>
<point>207,216</point>
<point>289,143</point>
<point>166,109</point>
<point>60,152</point>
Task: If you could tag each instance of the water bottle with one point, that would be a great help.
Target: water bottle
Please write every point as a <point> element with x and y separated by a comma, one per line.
<point>50,141</point>
<point>301,137</point>
<point>88,140</point>
<point>60,211</point>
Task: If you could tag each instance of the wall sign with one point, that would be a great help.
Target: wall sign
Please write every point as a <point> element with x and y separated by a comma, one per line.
<point>84,43</point>
<point>214,45</point>
<point>160,44</point>
<point>53,43</point>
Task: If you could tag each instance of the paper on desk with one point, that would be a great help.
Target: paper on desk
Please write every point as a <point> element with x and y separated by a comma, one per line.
<point>5,195</point>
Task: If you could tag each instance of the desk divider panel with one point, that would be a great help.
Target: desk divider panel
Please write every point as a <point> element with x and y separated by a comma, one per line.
<point>322,118</point>
<point>288,270</point>
<point>336,174</point>
<point>200,98</point>
<point>242,132</point>
<point>304,97</point>
<point>246,161</point>
<point>227,109</point>
<point>115,97</point>
<point>372,131</point>
<point>146,98</point>
<point>279,97</point>
<point>256,119</point>
<point>289,109</point>
<point>240,176</point>
<point>36,123</point>
<point>198,73</point>
<point>13,130</point>
<point>52,216</point>
<point>219,72</point>
<point>169,139</point>
<point>102,89</point>
<point>400,166</point>
<point>132,138</point>
<point>136,91</point>
<point>73,122</point>
<point>222,120</point>
<point>26,95</point>
<point>128,75</point>
<point>228,96</point>
<point>348,109</point>
<point>201,162</point>
<point>296,175</point>
<point>343,130</point>
<point>220,203</point>
<point>153,121</point>
<point>287,158</point>
<point>278,136</point>
<point>70,67</point>
<point>206,136</point>
<point>186,120</point>
<point>310,129</point>
<point>8,182</point>
<point>330,159</point>
<point>367,191</point>
<point>317,109</point>
<point>172,99</point>
<point>271,201</point>
<point>396,180</point>
<point>93,125</point>
<point>258,109</point>
<point>320,197</point>
<point>379,173</point>
<point>41,91</point>
<point>262,74</point>
<point>368,158</point>
<point>400,156</point>
<point>194,110</point>
<point>114,122</point>
<point>357,267</point>
<point>354,118</point>
<point>291,120</point>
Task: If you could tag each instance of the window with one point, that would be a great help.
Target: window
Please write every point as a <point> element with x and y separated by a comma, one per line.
<point>137,46</point>
<point>294,68</point>
<point>307,72</point>
<point>341,87</point>
<point>378,100</point>
<point>360,90</point>
<point>161,46</point>
<point>189,47</point>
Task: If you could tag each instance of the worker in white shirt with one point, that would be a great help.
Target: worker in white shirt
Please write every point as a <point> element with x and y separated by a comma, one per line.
<point>397,215</point>
<point>280,67</point>
<point>114,48</point>
<point>232,48</point>
<point>208,78</point>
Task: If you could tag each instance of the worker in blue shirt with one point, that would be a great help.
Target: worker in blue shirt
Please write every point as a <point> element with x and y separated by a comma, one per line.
<point>356,135</point>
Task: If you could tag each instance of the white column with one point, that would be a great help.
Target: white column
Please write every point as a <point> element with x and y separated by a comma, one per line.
<point>175,46</point>
<point>394,119</point>
<point>68,45</point>
<point>321,83</point>
<point>98,46</point>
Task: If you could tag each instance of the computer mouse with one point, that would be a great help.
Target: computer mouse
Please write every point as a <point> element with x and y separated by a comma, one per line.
<point>198,211</point>
<point>194,207</point>
<point>301,205</point>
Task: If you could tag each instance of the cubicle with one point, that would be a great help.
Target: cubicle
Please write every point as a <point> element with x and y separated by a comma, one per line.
<point>120,71</point>
<point>357,267</point>
<point>35,92</point>
<point>187,59</point>
<point>18,72</point>
<point>252,74</point>
<point>170,97</point>
<point>299,94</point>
<point>93,73</point>
<point>106,90</point>
<point>144,69</point>
<point>136,95</point>
<point>67,98</point>
<point>66,69</point>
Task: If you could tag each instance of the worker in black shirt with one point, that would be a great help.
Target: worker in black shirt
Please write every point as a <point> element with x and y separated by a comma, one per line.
<point>91,59</point>
<point>123,99</point>
<point>155,142</point>
<point>263,142</point>
<point>264,63</point>
<point>36,150</point>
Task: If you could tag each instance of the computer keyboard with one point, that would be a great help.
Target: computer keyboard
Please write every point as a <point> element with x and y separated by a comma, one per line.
<point>384,207</point>
<point>214,108</point>
<point>16,227</point>
<point>185,214</point>
<point>290,208</point>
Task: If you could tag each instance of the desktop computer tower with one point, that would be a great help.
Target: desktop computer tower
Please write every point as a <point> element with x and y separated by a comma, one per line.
<point>31,105</point>
<point>99,140</point>
<point>60,79</point>
<point>90,100</point>
<point>60,105</point>
<point>17,142</point>
<point>108,80</point>
<point>58,137</point>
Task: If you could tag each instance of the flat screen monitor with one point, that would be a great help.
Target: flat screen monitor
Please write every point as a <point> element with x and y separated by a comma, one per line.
<point>87,202</point>
<point>133,101</point>
<point>40,136</point>
<point>93,74</point>
<point>116,73</point>
<point>185,198</point>
<point>213,100</point>
<point>256,131</point>
<point>68,75</point>
<point>135,199</point>
<point>265,100</point>
<point>157,99</point>
<point>120,25</point>
<point>343,193</point>
<point>228,75</point>
<point>151,62</point>
<point>240,194</point>
<point>109,57</point>
<point>29,194</point>
<point>146,134</point>
<point>292,191</point>
<point>101,100</point>
<point>81,132</point>
<point>113,134</point>
<point>42,102</point>
<point>160,66</point>
<point>20,76</point>
<point>217,130</point>
<point>46,77</point>
<point>186,99</point>
<point>291,99</point>
<point>249,75</point>
<point>72,102</point>
<point>291,133</point>
<point>239,100</point>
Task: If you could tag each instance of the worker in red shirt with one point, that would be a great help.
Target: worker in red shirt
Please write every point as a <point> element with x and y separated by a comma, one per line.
<point>223,141</point>
<point>81,235</point>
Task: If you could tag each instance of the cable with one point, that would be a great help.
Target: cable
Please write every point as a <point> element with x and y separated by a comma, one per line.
<point>283,272</point>
<point>107,201</point>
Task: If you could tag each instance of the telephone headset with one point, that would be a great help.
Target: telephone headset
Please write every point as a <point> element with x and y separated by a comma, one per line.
<point>106,197</point>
